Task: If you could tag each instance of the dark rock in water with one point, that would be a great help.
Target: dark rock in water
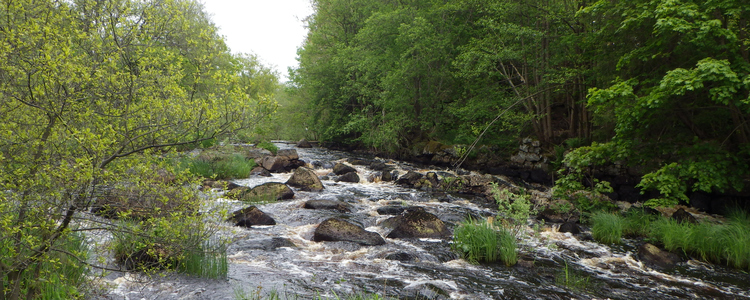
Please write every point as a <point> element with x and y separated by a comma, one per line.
<point>378,166</point>
<point>232,185</point>
<point>322,164</point>
<point>303,143</point>
<point>418,223</point>
<point>260,171</point>
<point>682,216</point>
<point>262,244</point>
<point>401,256</point>
<point>341,169</point>
<point>348,177</point>
<point>571,227</point>
<point>654,257</point>
<point>327,204</point>
<point>388,175</point>
<point>700,201</point>
<point>274,163</point>
<point>250,216</point>
<point>410,178</point>
<point>358,162</point>
<point>335,229</point>
<point>305,179</point>
<point>391,210</point>
<point>288,154</point>
<point>269,191</point>
<point>424,291</point>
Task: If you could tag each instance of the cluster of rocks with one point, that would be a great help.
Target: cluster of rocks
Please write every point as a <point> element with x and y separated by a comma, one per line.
<point>530,155</point>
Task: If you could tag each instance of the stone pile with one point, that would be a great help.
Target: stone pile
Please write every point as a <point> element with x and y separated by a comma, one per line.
<point>529,155</point>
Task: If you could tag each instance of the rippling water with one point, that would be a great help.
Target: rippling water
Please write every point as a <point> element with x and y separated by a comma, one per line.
<point>262,259</point>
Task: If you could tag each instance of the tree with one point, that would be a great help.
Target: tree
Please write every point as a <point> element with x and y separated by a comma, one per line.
<point>680,103</point>
<point>86,87</point>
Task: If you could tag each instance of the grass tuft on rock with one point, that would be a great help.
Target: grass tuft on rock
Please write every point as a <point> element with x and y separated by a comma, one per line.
<point>480,241</point>
<point>607,228</point>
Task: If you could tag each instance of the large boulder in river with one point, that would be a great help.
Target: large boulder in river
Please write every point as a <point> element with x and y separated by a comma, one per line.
<point>327,204</point>
<point>335,229</point>
<point>250,216</point>
<point>269,191</point>
<point>341,169</point>
<point>274,163</point>
<point>305,179</point>
<point>654,257</point>
<point>349,177</point>
<point>417,223</point>
<point>411,178</point>
<point>303,143</point>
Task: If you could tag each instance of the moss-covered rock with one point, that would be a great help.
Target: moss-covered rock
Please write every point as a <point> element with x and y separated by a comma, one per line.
<point>269,191</point>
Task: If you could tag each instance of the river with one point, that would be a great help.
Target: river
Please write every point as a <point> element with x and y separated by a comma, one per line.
<point>263,261</point>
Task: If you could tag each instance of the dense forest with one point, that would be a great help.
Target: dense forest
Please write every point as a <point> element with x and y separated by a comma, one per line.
<point>658,84</point>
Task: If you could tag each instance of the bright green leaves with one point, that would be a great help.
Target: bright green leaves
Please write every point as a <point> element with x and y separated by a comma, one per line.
<point>717,75</point>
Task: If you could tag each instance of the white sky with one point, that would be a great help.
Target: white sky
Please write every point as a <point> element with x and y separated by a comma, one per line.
<point>271,29</point>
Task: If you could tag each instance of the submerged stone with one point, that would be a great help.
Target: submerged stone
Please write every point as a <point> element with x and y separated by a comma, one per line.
<point>654,257</point>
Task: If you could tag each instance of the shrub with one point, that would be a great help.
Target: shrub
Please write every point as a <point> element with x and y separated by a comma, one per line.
<point>268,146</point>
<point>483,242</point>
<point>226,167</point>
<point>177,242</point>
<point>59,275</point>
<point>607,227</point>
<point>515,208</point>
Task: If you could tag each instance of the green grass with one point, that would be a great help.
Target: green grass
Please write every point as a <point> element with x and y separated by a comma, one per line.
<point>727,243</point>
<point>572,279</point>
<point>482,242</point>
<point>59,275</point>
<point>228,167</point>
<point>607,227</point>
<point>210,261</point>
<point>273,294</point>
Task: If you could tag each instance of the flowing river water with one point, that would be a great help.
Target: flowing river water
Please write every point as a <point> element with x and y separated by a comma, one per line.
<point>283,259</point>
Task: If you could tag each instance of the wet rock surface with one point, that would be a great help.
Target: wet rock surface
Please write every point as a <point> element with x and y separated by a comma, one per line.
<point>269,191</point>
<point>335,229</point>
<point>418,223</point>
<point>305,179</point>
<point>341,169</point>
<point>327,204</point>
<point>250,216</point>
<point>657,258</point>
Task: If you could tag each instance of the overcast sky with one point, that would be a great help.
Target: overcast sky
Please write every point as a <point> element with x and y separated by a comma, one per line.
<point>271,29</point>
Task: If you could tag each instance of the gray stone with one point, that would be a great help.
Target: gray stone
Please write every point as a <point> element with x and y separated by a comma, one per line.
<point>327,204</point>
<point>306,180</point>
<point>348,177</point>
<point>250,216</point>
<point>418,224</point>
<point>336,229</point>
<point>341,169</point>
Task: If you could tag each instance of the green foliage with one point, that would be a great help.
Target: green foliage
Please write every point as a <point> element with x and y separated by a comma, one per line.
<point>268,146</point>
<point>607,227</point>
<point>60,276</point>
<point>174,242</point>
<point>484,242</point>
<point>514,208</point>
